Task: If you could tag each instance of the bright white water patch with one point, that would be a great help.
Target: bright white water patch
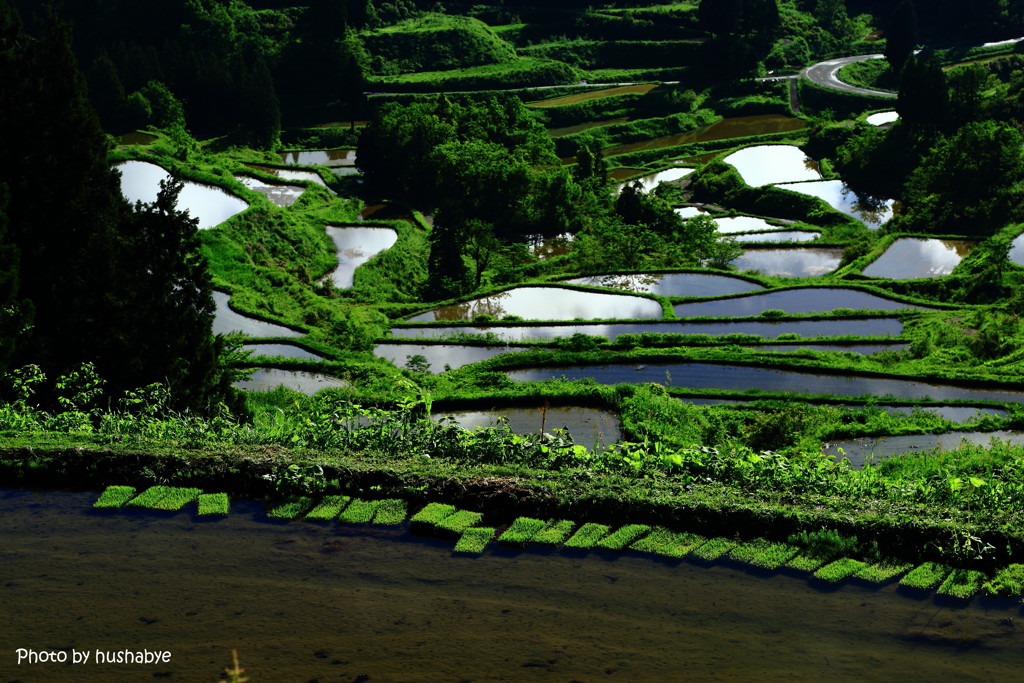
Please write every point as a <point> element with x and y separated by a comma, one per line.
<point>792,262</point>
<point>265,379</point>
<point>320,157</point>
<point>882,118</point>
<point>689,211</point>
<point>766,164</point>
<point>226,321</point>
<point>356,246</point>
<point>140,182</point>
<point>781,236</point>
<point>279,195</point>
<point>547,303</point>
<point>837,194</point>
<point>919,257</point>
<point>649,182</point>
<point>733,224</point>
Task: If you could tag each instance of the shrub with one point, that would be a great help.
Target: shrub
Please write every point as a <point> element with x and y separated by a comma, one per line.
<point>114,497</point>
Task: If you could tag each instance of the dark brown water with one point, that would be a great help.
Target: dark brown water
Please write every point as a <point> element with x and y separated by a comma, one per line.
<point>919,257</point>
<point>799,300</point>
<point>671,284</point>
<point>871,327</point>
<point>569,130</point>
<point>305,601</point>
<point>726,129</point>
<point>742,377</point>
<point>546,303</point>
<point>585,95</point>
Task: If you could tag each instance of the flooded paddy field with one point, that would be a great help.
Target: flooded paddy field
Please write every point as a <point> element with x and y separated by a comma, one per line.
<point>919,257</point>
<point>546,303</point>
<point>590,427</point>
<point>304,601</point>
<point>670,284</point>
<point>790,262</point>
<point>226,321</point>
<point>870,211</point>
<point>794,301</point>
<point>308,383</point>
<point>440,356</point>
<point>140,182</point>
<point>859,451</point>
<point>355,246</point>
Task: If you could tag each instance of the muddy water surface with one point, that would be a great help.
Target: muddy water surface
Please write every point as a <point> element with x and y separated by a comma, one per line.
<point>304,601</point>
<point>726,129</point>
<point>649,182</point>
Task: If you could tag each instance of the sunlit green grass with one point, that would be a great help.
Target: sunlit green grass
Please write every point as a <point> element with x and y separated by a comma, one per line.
<point>474,540</point>
<point>841,569</point>
<point>521,531</point>
<point>359,511</point>
<point>1008,581</point>
<point>714,549</point>
<point>682,545</point>
<point>150,497</point>
<point>554,532</point>
<point>114,497</point>
<point>883,571</point>
<point>177,498</point>
<point>654,541</point>
<point>460,521</point>
<point>962,583</point>
<point>390,512</point>
<point>623,536</point>
<point>329,507</point>
<point>432,514</point>
<point>291,508</point>
<point>587,536</point>
<point>926,576</point>
<point>763,553</point>
<point>211,504</point>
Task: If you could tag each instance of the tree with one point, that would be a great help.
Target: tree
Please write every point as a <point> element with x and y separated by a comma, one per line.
<point>901,37</point>
<point>260,120</point>
<point>835,24</point>
<point>923,101</point>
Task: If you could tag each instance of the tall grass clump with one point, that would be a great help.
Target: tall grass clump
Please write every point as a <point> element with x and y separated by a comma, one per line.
<point>714,549</point>
<point>459,521</point>
<point>587,535</point>
<point>554,532</point>
<point>150,497</point>
<point>390,512</point>
<point>926,576</point>
<point>1008,582</point>
<point>620,539</point>
<point>177,498</point>
<point>880,572</point>
<point>521,531</point>
<point>329,507</point>
<point>841,569</point>
<point>962,583</point>
<point>114,497</point>
<point>211,504</point>
<point>291,508</point>
<point>474,540</point>
<point>359,511</point>
<point>431,515</point>
<point>763,553</point>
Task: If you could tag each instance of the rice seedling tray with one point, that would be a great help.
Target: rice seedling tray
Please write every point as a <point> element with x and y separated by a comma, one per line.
<point>926,576</point>
<point>114,497</point>
<point>714,549</point>
<point>620,539</point>
<point>1008,582</point>
<point>962,583</point>
<point>554,532</point>
<point>328,508</point>
<point>881,572</point>
<point>474,540</point>
<point>291,508</point>
<point>391,511</point>
<point>211,504</point>
<point>359,511</point>
<point>150,497</point>
<point>839,570</point>
<point>587,536</point>
<point>521,531</point>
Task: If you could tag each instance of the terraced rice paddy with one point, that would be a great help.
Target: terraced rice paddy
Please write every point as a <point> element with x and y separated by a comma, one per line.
<point>265,379</point>
<point>546,303</point>
<point>792,262</point>
<point>798,300</point>
<point>918,257</point>
<point>226,321</point>
<point>140,182</point>
<point>671,284</point>
<point>837,194</point>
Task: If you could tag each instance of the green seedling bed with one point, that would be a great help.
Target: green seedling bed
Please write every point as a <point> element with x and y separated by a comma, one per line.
<point>329,507</point>
<point>291,509</point>
<point>432,514</point>
<point>391,511</point>
<point>554,532</point>
<point>623,536</point>
<point>177,498</point>
<point>962,583</point>
<point>474,540</point>
<point>521,531</point>
<point>682,545</point>
<point>805,562</point>
<point>458,522</point>
<point>150,497</point>
<point>926,576</point>
<point>359,511</point>
<point>1008,581</point>
<point>213,504</point>
<point>114,497</point>
<point>882,571</point>
<point>714,549</point>
<point>587,536</point>
<point>763,553</point>
<point>651,543</point>
<point>840,570</point>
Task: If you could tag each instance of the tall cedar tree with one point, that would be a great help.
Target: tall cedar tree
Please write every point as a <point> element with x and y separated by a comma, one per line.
<point>106,285</point>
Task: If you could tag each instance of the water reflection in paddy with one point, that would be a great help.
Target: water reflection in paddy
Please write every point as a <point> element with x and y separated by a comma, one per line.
<point>320,157</point>
<point>649,182</point>
<point>798,262</point>
<point>440,356</point>
<point>919,257</point>
<point>402,608</point>
<point>265,379</point>
<point>868,327</point>
<point>732,224</point>
<point>868,210</point>
<point>781,236</point>
<point>670,284</point>
<point>692,375</point>
<point>766,164</point>
<point>882,118</point>
<point>861,450</point>
<point>226,321</point>
<point>725,129</point>
<point>283,350</point>
<point>140,182</point>
<point>279,195</point>
<point>137,138</point>
<point>589,427</point>
<point>1017,250</point>
<point>800,300</point>
<point>356,246</point>
<point>288,174</point>
<point>547,303</point>
<point>689,211</point>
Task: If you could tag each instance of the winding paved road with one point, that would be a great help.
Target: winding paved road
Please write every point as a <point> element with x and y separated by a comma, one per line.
<point>826,74</point>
